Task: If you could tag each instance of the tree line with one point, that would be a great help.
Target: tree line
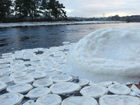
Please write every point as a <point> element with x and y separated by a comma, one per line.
<point>132,18</point>
<point>31,9</point>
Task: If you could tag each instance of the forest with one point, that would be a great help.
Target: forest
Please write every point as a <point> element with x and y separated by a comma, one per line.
<point>31,10</point>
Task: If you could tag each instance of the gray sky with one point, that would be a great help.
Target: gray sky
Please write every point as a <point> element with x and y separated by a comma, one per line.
<point>91,8</point>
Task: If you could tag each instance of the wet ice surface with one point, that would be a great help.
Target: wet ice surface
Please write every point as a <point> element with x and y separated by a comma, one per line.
<point>34,76</point>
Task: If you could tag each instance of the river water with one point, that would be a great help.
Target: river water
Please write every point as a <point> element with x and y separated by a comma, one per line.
<point>12,39</point>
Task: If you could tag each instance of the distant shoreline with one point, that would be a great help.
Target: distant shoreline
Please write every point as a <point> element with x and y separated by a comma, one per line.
<point>31,24</point>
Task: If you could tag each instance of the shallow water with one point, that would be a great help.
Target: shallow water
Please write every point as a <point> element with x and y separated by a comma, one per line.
<point>12,39</point>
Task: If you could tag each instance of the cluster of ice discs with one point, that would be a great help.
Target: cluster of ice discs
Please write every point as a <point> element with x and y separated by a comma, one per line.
<point>35,77</point>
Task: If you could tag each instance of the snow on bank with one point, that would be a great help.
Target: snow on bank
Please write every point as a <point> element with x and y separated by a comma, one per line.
<point>24,24</point>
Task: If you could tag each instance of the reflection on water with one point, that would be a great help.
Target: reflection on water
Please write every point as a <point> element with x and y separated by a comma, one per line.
<point>12,39</point>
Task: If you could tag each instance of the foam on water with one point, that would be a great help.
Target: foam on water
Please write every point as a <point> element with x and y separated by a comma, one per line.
<point>107,54</point>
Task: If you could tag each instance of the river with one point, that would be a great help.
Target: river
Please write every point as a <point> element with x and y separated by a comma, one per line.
<point>12,39</point>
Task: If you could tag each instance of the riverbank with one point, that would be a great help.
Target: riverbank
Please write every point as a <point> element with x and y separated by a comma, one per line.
<point>31,24</point>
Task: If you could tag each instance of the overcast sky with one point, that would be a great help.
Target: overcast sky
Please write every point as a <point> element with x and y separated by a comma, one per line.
<point>91,8</point>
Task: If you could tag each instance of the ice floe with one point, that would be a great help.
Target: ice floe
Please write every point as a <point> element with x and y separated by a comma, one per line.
<point>119,100</point>
<point>135,91</point>
<point>5,79</point>
<point>79,100</point>
<point>64,88</point>
<point>105,83</point>
<point>20,88</point>
<point>83,82</point>
<point>94,91</point>
<point>30,102</point>
<point>23,79</point>
<point>119,89</point>
<point>37,75</point>
<point>2,86</point>
<point>50,99</point>
<point>42,82</point>
<point>38,92</point>
<point>61,78</point>
<point>11,99</point>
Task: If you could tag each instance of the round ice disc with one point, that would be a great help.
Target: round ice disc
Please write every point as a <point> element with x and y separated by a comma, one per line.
<point>5,79</point>
<point>79,100</point>
<point>51,73</point>
<point>30,102</point>
<point>37,75</point>
<point>83,82</point>
<point>17,74</point>
<point>50,99</point>
<point>64,87</point>
<point>2,86</point>
<point>119,89</point>
<point>135,89</point>
<point>61,78</point>
<point>42,82</point>
<point>105,83</point>
<point>38,92</point>
<point>11,99</point>
<point>119,100</point>
<point>19,88</point>
<point>94,91</point>
<point>23,79</point>
<point>4,71</point>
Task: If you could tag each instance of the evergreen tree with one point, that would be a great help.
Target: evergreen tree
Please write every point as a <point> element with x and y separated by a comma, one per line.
<point>44,4</point>
<point>44,8</point>
<point>5,8</point>
<point>56,9</point>
<point>26,8</point>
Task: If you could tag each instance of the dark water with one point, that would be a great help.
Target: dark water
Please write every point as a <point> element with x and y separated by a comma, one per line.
<point>12,39</point>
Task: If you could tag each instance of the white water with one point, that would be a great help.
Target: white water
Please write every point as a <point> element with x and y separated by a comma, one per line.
<point>108,54</point>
